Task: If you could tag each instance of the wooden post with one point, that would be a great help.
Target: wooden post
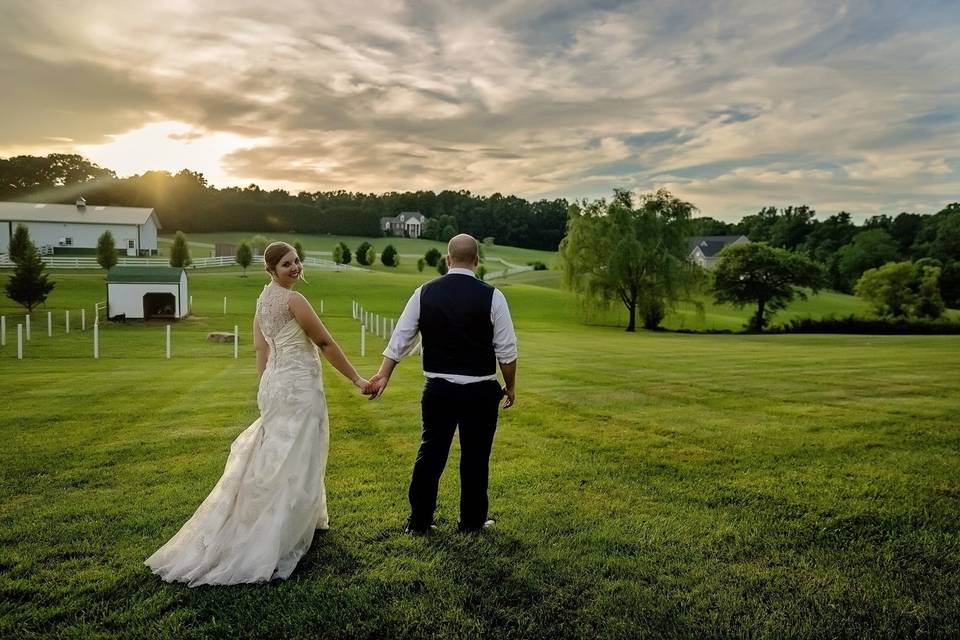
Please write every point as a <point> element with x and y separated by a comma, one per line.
<point>3,331</point>
<point>49,324</point>
<point>168,342</point>
<point>66,315</point>
<point>28,327</point>
<point>191,304</point>
<point>363,341</point>
<point>83,319</point>
<point>19,341</point>
<point>321,306</point>
<point>224,305</point>
<point>96,340</point>
<point>236,342</point>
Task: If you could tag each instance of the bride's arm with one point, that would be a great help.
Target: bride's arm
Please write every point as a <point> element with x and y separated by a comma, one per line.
<point>262,347</point>
<point>314,328</point>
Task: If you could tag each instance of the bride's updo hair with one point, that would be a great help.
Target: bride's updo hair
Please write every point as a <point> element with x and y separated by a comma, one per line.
<point>273,253</point>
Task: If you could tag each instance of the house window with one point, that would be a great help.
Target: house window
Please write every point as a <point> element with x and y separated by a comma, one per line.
<point>130,244</point>
<point>68,242</point>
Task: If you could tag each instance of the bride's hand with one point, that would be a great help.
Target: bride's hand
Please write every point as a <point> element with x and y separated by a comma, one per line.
<point>361,383</point>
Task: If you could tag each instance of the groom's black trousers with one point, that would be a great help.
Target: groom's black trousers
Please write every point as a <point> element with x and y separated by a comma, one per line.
<point>445,406</point>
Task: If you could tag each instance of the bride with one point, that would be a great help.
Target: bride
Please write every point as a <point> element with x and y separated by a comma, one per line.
<point>260,518</point>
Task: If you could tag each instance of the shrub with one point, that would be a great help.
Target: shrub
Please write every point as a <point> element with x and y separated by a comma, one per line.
<point>389,256</point>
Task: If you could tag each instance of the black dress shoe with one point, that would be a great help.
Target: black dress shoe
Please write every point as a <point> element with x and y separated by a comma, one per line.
<point>486,525</point>
<point>414,531</point>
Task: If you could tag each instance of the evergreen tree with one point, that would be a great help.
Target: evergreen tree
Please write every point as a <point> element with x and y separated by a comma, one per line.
<point>106,251</point>
<point>442,266</point>
<point>19,244</point>
<point>180,252</point>
<point>362,251</point>
<point>28,286</point>
<point>389,256</point>
<point>244,257</point>
<point>345,255</point>
<point>299,249</point>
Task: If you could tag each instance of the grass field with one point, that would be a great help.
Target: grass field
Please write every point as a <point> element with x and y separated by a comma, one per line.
<point>646,485</point>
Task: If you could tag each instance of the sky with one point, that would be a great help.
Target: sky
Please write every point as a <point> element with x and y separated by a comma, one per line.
<point>732,106</point>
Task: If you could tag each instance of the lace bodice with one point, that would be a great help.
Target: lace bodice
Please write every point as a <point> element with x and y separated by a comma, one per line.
<point>272,310</point>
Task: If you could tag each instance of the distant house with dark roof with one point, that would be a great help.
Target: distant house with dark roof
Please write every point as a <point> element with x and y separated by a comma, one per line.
<point>406,224</point>
<point>76,228</point>
<point>705,250</point>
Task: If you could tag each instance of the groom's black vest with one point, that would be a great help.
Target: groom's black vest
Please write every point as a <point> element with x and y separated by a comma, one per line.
<point>456,327</point>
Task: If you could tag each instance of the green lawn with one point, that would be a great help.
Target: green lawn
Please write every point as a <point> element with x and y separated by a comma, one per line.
<point>646,485</point>
<point>408,247</point>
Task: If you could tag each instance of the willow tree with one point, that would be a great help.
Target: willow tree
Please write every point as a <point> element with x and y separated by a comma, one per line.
<point>637,255</point>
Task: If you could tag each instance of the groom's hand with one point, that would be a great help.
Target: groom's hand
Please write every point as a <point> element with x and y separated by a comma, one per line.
<point>376,387</point>
<point>510,395</point>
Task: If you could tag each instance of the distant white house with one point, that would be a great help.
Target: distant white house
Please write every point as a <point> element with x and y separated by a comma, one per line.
<point>405,224</point>
<point>705,250</point>
<point>75,228</point>
<point>147,292</point>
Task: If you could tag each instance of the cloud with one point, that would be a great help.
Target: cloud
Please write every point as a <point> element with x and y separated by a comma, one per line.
<point>735,105</point>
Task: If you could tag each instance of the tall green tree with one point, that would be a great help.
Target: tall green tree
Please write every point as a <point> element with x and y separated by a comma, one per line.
<point>299,249</point>
<point>338,254</point>
<point>638,256</point>
<point>868,249</point>
<point>244,257</point>
<point>180,251</point>
<point>19,244</point>
<point>258,243</point>
<point>29,285</point>
<point>106,251</point>
<point>761,275</point>
<point>903,289</point>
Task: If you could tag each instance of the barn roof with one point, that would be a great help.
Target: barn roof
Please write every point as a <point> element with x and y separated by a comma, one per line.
<point>39,212</point>
<point>143,275</point>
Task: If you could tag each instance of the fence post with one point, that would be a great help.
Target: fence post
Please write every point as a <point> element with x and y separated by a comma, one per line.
<point>236,342</point>
<point>96,340</point>
<point>191,304</point>
<point>19,341</point>
<point>49,324</point>
<point>3,331</point>
<point>67,321</point>
<point>363,341</point>
<point>83,319</point>
<point>224,305</point>
<point>28,327</point>
<point>321,306</point>
<point>168,342</point>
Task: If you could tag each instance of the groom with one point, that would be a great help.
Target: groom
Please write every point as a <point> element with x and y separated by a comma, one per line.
<point>466,330</point>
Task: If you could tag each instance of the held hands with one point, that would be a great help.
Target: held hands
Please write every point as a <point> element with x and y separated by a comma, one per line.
<point>376,386</point>
<point>361,383</point>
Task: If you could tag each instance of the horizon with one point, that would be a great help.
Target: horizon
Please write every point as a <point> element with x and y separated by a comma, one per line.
<point>848,108</point>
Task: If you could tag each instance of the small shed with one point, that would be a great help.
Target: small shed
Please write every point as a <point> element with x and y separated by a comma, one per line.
<point>147,292</point>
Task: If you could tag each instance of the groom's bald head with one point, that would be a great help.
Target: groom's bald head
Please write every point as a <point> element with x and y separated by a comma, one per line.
<point>463,251</point>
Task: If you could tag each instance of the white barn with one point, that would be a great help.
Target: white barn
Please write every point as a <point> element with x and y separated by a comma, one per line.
<point>75,228</point>
<point>147,292</point>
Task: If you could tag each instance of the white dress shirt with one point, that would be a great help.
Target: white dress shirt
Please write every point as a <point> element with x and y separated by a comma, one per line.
<point>408,328</point>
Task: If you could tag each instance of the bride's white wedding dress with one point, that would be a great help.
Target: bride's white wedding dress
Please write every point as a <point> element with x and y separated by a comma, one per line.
<point>260,518</point>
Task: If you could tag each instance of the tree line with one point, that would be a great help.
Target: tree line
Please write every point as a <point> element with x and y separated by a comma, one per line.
<point>635,252</point>
<point>185,201</point>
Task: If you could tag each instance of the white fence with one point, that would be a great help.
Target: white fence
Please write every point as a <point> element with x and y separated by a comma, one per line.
<point>90,262</point>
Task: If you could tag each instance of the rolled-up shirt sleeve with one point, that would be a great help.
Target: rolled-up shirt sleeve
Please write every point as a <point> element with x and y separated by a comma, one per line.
<point>504,337</point>
<point>405,334</point>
